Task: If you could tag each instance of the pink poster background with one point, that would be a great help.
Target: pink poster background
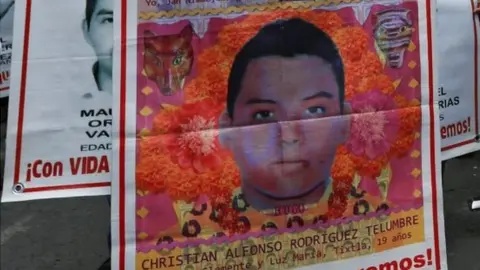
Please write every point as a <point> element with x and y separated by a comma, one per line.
<point>404,182</point>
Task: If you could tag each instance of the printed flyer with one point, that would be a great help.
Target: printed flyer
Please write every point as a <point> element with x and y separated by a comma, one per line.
<point>59,120</point>
<point>458,89</point>
<point>276,134</point>
<point>6,32</point>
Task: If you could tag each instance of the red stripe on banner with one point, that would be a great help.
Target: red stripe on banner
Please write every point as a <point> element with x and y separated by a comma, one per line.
<point>458,144</point>
<point>23,85</point>
<point>122,132</point>
<point>64,187</point>
<point>433,167</point>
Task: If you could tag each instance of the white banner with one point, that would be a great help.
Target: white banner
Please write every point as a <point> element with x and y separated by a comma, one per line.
<point>58,133</point>
<point>458,60</point>
<point>6,33</point>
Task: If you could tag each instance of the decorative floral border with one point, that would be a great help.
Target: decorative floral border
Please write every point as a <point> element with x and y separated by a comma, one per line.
<point>152,15</point>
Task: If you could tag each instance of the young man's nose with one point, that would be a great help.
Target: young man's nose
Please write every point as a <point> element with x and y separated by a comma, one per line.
<point>290,132</point>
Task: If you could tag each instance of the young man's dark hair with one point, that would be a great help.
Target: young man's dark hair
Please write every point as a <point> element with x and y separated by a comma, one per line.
<point>89,8</point>
<point>285,38</point>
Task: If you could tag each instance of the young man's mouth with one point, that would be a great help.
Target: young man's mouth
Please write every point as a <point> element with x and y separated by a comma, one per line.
<point>288,167</point>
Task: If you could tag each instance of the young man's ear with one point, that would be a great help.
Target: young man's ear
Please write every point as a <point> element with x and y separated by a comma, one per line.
<point>225,124</point>
<point>86,32</point>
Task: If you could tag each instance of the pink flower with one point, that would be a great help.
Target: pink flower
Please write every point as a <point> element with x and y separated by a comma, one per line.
<point>374,124</point>
<point>192,137</point>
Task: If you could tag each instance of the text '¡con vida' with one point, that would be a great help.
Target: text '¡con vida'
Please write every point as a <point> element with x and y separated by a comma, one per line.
<point>99,128</point>
<point>295,250</point>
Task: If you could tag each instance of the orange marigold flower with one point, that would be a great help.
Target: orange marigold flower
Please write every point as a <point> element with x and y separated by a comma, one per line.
<point>351,41</point>
<point>355,71</point>
<point>379,82</point>
<point>403,144</point>
<point>329,22</point>
<point>151,146</point>
<point>212,84</point>
<point>163,120</point>
<point>210,57</point>
<point>337,204</point>
<point>370,63</point>
<point>227,179</point>
<point>148,175</point>
<point>410,119</point>
<point>343,167</point>
<point>160,175</point>
<point>343,187</point>
<point>235,35</point>
<point>229,220</point>
<point>368,167</point>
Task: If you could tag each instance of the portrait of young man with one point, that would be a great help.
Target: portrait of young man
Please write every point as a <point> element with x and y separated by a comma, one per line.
<point>97,29</point>
<point>283,120</point>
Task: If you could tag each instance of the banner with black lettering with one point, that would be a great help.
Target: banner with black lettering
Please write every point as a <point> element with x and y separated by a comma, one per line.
<point>59,120</point>
<point>6,33</point>
<point>458,76</point>
<point>276,134</point>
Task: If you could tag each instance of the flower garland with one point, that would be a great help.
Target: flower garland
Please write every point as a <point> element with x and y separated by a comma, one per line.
<point>182,156</point>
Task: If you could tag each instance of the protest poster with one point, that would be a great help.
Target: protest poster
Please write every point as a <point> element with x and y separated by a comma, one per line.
<point>6,32</point>
<point>276,134</point>
<point>458,77</point>
<point>59,119</point>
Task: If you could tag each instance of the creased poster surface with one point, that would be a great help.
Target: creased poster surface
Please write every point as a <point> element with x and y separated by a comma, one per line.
<point>274,135</point>
<point>58,134</point>
<point>458,77</point>
<point>6,33</point>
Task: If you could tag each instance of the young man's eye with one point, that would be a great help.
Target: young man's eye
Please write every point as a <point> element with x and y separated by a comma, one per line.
<point>263,115</point>
<point>315,110</point>
<point>107,20</point>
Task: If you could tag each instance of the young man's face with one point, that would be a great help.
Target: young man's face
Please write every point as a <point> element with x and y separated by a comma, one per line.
<point>99,33</point>
<point>283,142</point>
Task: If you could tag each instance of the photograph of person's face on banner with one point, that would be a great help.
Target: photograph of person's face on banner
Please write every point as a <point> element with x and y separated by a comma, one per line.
<point>64,100</point>
<point>276,122</point>
<point>98,32</point>
<point>283,119</point>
